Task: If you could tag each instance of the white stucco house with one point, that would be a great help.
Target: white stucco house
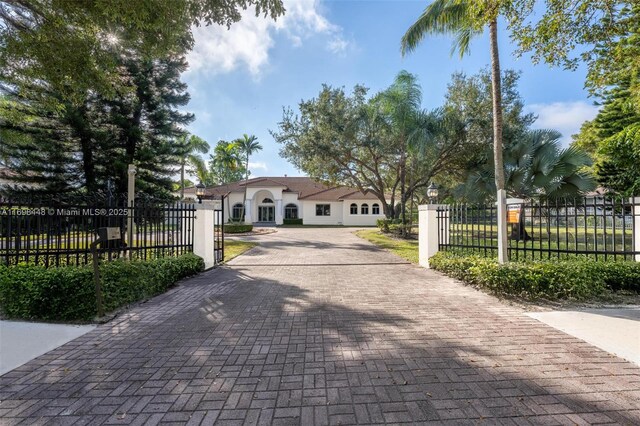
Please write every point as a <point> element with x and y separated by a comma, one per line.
<point>270,200</point>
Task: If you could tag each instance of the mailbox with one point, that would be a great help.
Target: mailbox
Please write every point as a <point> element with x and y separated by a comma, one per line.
<point>109,234</point>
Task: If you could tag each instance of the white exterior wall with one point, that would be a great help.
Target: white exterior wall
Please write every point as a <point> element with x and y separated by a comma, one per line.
<point>361,219</point>
<point>309,213</point>
<point>340,210</point>
<point>230,201</point>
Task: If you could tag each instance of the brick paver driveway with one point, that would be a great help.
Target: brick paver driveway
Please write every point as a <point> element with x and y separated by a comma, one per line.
<point>318,326</point>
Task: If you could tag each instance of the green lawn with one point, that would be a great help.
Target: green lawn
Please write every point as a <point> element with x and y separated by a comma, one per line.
<point>234,248</point>
<point>407,249</point>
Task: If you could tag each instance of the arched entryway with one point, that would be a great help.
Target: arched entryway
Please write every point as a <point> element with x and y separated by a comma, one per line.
<point>265,207</point>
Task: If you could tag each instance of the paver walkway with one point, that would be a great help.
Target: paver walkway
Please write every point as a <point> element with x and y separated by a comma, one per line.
<point>318,326</point>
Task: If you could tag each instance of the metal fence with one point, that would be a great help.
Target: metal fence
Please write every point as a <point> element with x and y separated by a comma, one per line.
<point>218,231</point>
<point>55,233</point>
<point>602,228</point>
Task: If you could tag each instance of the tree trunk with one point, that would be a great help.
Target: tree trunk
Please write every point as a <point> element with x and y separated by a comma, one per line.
<point>403,213</point>
<point>497,140</point>
<point>88,164</point>
<point>182,181</point>
<point>246,182</point>
<point>497,107</point>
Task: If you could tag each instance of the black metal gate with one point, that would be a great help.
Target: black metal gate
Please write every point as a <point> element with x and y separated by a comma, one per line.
<point>218,232</point>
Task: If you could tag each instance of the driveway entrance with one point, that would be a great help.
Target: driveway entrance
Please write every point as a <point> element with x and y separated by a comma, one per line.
<point>316,326</point>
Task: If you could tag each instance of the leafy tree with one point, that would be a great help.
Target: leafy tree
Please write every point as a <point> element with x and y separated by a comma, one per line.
<point>189,146</point>
<point>619,168</point>
<point>341,138</point>
<point>470,99</point>
<point>69,44</point>
<point>247,145</point>
<point>226,165</point>
<point>612,139</point>
<point>464,19</point>
<point>376,144</point>
<point>587,138</point>
<point>602,33</point>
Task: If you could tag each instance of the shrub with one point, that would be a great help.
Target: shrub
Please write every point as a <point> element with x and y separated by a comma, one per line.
<point>560,279</point>
<point>67,293</point>
<point>292,221</point>
<point>237,228</point>
<point>390,225</point>
<point>383,224</point>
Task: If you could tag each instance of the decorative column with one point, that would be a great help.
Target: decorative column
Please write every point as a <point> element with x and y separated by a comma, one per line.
<point>247,211</point>
<point>279,215</point>
<point>203,238</point>
<point>428,231</point>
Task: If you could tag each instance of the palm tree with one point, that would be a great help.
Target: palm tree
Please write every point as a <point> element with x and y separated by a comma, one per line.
<point>190,146</point>
<point>225,159</point>
<point>459,18</point>
<point>536,166</point>
<point>248,145</point>
<point>199,168</point>
<point>401,103</point>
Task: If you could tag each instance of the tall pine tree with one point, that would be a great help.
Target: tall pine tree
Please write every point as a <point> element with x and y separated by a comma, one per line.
<point>65,148</point>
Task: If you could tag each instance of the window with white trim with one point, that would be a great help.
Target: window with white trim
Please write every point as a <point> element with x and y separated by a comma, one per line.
<point>353,209</point>
<point>375,209</point>
<point>364,209</point>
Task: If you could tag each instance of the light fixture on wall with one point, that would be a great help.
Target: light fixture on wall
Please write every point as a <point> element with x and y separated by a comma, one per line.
<point>432,193</point>
<point>200,190</point>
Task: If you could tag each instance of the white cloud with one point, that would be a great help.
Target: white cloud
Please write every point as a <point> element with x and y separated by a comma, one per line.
<point>248,42</point>
<point>338,45</point>
<point>566,117</point>
<point>260,165</point>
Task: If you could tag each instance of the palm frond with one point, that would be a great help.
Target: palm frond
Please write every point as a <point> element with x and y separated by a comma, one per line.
<point>442,17</point>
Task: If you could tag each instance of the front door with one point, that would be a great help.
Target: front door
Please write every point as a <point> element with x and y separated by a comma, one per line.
<point>266,214</point>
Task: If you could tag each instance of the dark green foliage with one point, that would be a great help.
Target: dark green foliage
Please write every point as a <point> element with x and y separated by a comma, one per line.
<point>226,164</point>
<point>67,293</point>
<point>564,279</point>
<point>390,225</point>
<point>292,221</point>
<point>70,44</point>
<point>237,228</point>
<point>535,166</point>
<point>64,147</point>
<point>619,168</point>
<point>383,224</point>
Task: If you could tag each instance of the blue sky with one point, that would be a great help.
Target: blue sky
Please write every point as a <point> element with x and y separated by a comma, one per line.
<point>240,79</point>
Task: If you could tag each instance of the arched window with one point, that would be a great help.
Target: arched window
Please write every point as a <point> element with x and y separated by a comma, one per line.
<point>354,208</point>
<point>375,209</point>
<point>364,209</point>
<point>290,211</point>
<point>236,212</point>
<point>267,201</point>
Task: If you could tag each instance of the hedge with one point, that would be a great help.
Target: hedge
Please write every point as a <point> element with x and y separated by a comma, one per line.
<point>292,221</point>
<point>67,293</point>
<point>561,279</point>
<point>237,228</point>
<point>394,226</point>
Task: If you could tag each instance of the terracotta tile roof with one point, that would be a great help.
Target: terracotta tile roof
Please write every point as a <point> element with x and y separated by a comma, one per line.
<point>306,188</point>
<point>357,195</point>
